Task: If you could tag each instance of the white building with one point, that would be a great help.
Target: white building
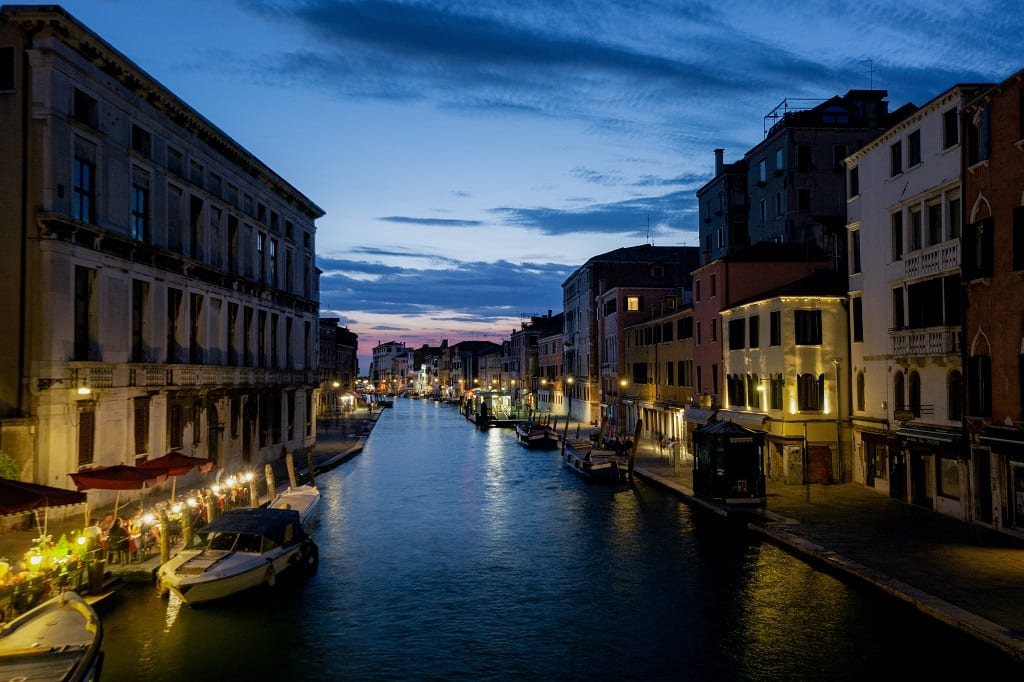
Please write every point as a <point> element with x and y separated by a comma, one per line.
<point>904,215</point>
<point>160,287</point>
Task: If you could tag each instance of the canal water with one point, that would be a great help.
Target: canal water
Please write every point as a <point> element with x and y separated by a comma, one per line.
<point>447,553</point>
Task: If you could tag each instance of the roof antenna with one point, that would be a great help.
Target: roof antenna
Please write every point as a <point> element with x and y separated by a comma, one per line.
<point>871,72</point>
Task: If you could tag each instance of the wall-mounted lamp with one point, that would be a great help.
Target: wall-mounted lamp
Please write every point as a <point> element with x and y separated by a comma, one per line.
<point>43,384</point>
<point>84,390</point>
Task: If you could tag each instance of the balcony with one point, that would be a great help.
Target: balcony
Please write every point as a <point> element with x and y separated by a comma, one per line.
<point>926,342</point>
<point>933,260</point>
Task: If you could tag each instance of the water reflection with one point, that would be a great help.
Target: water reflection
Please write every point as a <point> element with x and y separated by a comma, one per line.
<point>450,553</point>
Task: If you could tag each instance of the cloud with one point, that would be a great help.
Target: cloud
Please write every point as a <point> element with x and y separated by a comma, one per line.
<point>430,222</point>
<point>632,217</point>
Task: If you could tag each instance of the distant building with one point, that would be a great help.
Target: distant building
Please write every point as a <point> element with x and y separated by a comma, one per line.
<point>160,289</point>
<point>636,266</point>
<point>339,364</point>
<point>993,270</point>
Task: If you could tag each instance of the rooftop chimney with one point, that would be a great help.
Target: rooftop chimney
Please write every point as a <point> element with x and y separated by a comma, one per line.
<point>719,161</point>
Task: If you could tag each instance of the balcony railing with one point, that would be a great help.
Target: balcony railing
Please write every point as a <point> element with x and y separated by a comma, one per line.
<point>929,341</point>
<point>933,259</point>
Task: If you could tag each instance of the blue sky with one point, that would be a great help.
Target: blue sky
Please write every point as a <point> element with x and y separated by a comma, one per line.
<point>470,155</point>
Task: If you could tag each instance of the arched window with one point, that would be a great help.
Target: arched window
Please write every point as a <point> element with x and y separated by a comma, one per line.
<point>753,396</point>
<point>810,392</point>
<point>915,394</point>
<point>955,396</point>
<point>860,391</point>
<point>898,393</point>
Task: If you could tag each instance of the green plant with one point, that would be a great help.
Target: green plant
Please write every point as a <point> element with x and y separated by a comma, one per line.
<point>8,467</point>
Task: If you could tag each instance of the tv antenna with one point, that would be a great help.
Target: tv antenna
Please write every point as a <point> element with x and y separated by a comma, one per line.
<point>871,72</point>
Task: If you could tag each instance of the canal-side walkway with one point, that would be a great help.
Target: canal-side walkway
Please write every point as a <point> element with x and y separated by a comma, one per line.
<point>967,576</point>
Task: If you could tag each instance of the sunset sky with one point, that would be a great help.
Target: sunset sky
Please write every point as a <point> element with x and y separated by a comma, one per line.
<point>471,155</point>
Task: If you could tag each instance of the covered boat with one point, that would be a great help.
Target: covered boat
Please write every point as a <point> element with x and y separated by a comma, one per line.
<point>537,436</point>
<point>58,640</point>
<point>239,550</point>
<point>592,463</point>
<point>304,499</point>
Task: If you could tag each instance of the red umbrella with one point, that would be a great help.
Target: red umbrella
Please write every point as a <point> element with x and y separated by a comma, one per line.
<point>176,464</point>
<point>16,496</point>
<point>118,477</point>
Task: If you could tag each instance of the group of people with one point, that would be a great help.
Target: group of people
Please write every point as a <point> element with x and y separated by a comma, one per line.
<point>113,536</point>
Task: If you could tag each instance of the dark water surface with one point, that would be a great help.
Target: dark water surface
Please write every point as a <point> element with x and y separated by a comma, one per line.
<point>453,554</point>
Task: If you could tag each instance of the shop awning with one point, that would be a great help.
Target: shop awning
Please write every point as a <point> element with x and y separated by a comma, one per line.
<point>1004,439</point>
<point>929,435</point>
<point>752,420</point>
<point>699,416</point>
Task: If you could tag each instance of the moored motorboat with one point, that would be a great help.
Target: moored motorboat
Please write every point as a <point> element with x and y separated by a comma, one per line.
<point>536,436</point>
<point>58,640</point>
<point>595,464</point>
<point>239,550</point>
<point>304,499</point>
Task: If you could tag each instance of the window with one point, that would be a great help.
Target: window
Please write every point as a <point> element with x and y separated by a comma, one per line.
<point>898,396</point>
<point>754,327</point>
<point>698,333</point>
<point>721,238</point>
<point>140,318</point>
<point>898,318</point>
<point>684,328</point>
<point>714,285</point>
<point>978,149</point>
<point>778,204</point>
<point>934,223</point>
<point>86,109</point>
<point>764,212</point>
<point>86,435</point>
<point>854,252</point>
<point>670,373</point>
<point>85,313</point>
<point>780,164</point>
<point>914,382</point>
<point>979,385</point>
<point>142,142</point>
<point>174,297</point>
<point>633,303</point>
<point>83,194</point>
<point>954,396</point>
<point>950,128</point>
<point>810,392</point>
<point>860,391</point>
<point>838,155</point>
<point>807,327</point>
<point>858,319</point>
<point>803,198</point>
<point>775,328</point>
<point>954,218</point>
<point>84,191</point>
<point>762,171</point>
<point>261,263</point>
<point>978,249</point>
<point>913,148</point>
<point>216,185</point>
<point>854,182</point>
<point>896,222</point>
<point>1018,238</point>
<point>803,157</point>
<point>174,160</point>
<point>140,208</point>
<point>896,158</point>
<point>141,426</point>
<point>196,330</point>
<point>6,69</point>
<point>916,227</point>
<point>775,391</point>
<point>195,172</point>
<point>696,291</point>
<point>736,334</point>
<point>714,330</point>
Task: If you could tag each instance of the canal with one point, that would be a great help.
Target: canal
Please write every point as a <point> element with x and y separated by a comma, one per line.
<point>448,553</point>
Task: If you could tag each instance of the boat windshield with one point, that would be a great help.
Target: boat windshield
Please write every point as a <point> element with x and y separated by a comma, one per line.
<point>231,542</point>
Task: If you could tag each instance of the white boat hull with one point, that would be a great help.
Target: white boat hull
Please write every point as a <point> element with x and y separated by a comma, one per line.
<point>58,640</point>
<point>235,574</point>
<point>304,499</point>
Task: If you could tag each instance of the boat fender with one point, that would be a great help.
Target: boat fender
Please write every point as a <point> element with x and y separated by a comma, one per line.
<point>312,555</point>
<point>271,578</point>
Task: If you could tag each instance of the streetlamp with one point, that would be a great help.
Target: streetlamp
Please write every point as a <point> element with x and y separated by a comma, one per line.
<point>568,393</point>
